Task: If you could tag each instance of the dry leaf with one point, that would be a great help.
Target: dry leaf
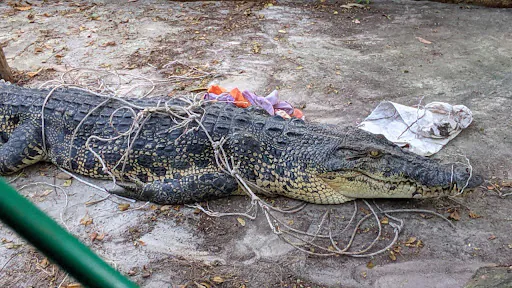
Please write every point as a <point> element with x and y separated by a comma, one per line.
<point>46,193</point>
<point>256,48</point>
<point>74,285</point>
<point>473,215</point>
<point>506,183</point>
<point>146,274</point>
<point>110,43</point>
<point>350,5</point>
<point>370,265</point>
<point>299,68</point>
<point>365,211</point>
<point>67,183</point>
<point>93,236</point>
<point>23,8</point>
<point>100,237</point>
<point>63,176</point>
<point>38,50</point>
<point>241,221</point>
<point>218,279</point>
<point>492,237</point>
<point>44,263</point>
<point>86,220</point>
<point>165,208</point>
<point>410,240</point>
<point>384,220</point>
<point>454,215</point>
<point>153,207</point>
<point>12,245</point>
<point>123,207</point>
<point>392,256</point>
<point>141,243</point>
<point>32,74</point>
<point>423,41</point>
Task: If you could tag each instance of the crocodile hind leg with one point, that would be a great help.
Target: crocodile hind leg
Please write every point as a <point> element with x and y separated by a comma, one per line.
<point>22,149</point>
<point>187,189</point>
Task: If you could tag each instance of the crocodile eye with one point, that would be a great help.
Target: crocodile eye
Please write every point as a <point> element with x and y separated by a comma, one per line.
<point>375,153</point>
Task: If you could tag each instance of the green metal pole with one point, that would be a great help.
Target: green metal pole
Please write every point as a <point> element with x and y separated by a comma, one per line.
<point>56,243</point>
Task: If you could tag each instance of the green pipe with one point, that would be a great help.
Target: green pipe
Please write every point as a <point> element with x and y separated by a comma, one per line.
<point>56,243</point>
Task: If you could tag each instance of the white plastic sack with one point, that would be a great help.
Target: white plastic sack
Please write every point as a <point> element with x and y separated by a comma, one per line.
<point>423,131</point>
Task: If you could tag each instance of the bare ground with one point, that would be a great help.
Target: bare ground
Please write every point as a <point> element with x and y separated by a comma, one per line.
<point>338,63</point>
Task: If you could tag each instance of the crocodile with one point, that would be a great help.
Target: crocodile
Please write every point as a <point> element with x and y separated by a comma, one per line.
<point>169,164</point>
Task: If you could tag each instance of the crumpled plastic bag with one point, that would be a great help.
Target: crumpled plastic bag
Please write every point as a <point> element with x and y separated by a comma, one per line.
<point>423,130</point>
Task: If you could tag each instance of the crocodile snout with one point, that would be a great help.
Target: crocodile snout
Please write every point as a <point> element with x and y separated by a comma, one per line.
<point>464,177</point>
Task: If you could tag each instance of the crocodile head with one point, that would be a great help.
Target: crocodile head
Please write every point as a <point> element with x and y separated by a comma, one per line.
<point>364,165</point>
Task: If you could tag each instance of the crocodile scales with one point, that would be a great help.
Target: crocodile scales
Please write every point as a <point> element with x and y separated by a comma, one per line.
<point>316,163</point>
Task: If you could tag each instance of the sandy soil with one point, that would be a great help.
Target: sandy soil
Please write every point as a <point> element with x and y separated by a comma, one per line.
<point>338,63</point>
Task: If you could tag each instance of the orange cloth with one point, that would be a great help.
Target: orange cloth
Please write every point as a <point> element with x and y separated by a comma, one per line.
<point>216,89</point>
<point>240,100</point>
<point>297,113</point>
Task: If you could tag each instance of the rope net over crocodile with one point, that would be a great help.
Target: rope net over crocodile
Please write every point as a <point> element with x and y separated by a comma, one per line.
<point>185,150</point>
<point>167,151</point>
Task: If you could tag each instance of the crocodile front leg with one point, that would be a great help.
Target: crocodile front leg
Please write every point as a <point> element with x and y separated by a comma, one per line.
<point>187,189</point>
<point>22,149</point>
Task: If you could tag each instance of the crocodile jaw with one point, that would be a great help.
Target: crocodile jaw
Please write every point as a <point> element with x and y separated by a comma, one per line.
<point>360,185</point>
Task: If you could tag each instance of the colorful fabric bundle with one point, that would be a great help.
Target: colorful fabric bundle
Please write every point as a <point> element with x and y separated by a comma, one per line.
<point>270,103</point>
